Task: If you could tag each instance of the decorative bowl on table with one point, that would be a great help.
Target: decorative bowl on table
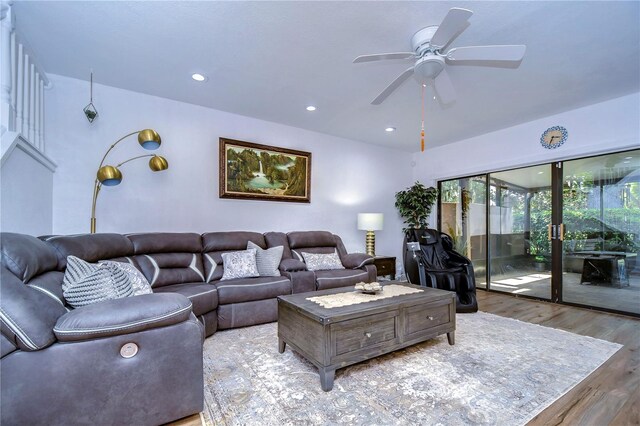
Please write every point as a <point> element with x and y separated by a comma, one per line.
<point>369,288</point>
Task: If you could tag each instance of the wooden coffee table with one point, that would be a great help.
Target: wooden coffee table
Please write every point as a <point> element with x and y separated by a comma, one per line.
<point>333,338</point>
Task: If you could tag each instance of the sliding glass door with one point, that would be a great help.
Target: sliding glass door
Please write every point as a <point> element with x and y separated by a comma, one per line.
<point>566,232</point>
<point>601,216</point>
<point>463,217</point>
<point>520,247</point>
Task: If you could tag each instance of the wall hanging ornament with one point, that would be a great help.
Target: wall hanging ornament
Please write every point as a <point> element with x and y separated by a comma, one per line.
<point>90,110</point>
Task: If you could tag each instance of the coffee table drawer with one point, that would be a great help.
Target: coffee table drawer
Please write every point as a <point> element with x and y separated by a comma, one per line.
<point>362,333</point>
<point>422,318</point>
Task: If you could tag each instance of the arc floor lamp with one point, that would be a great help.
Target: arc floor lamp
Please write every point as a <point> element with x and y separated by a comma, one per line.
<point>111,175</point>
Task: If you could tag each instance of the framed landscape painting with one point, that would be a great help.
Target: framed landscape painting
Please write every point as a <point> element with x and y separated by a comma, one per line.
<point>261,172</point>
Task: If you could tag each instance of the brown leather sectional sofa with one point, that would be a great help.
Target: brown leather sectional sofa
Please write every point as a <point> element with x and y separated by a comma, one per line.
<point>74,366</point>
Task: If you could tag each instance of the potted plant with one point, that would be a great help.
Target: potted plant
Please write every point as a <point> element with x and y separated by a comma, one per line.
<point>540,263</point>
<point>414,205</point>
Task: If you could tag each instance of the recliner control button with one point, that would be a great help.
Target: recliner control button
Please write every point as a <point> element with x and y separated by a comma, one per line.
<point>129,350</point>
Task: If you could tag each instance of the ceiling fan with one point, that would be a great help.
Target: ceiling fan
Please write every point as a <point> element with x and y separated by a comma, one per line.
<point>430,59</point>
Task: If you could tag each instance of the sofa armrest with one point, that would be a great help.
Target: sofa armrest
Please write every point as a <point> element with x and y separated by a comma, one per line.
<point>122,316</point>
<point>292,265</point>
<point>356,260</point>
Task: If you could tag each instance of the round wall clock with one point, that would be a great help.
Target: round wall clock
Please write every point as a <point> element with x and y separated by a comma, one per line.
<point>553,137</point>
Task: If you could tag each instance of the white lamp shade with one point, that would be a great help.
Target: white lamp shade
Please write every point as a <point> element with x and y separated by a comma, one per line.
<point>370,221</point>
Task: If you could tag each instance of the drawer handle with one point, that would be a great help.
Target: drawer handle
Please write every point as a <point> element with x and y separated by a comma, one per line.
<point>430,318</point>
<point>367,334</point>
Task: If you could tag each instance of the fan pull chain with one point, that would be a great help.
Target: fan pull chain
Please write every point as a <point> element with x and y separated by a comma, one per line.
<point>422,131</point>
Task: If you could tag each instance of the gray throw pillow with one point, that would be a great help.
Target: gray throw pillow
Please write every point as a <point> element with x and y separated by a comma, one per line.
<point>267,260</point>
<point>239,264</point>
<point>138,281</point>
<point>86,283</point>
<point>322,262</point>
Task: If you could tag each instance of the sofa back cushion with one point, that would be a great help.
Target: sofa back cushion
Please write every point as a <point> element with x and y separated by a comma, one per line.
<point>166,242</point>
<point>275,239</point>
<point>26,256</point>
<point>90,247</point>
<point>27,316</point>
<point>168,258</point>
<point>321,242</point>
<point>216,243</point>
<point>30,292</point>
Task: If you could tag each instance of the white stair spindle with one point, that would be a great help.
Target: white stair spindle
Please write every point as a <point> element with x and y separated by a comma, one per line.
<point>20,91</point>
<point>12,110</point>
<point>42,116</point>
<point>25,97</point>
<point>5,70</point>
<point>32,104</point>
<point>36,112</point>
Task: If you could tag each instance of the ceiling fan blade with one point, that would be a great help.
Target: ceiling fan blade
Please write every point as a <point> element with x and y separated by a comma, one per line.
<point>452,24</point>
<point>443,88</point>
<point>393,86</point>
<point>487,53</point>
<point>383,56</point>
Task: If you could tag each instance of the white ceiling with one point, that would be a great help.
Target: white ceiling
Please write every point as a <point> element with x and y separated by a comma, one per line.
<point>271,59</point>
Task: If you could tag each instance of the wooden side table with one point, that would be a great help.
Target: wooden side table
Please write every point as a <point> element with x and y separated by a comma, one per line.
<point>386,266</point>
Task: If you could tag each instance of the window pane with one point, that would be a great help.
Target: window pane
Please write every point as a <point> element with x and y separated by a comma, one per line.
<point>520,215</point>
<point>463,217</point>
<point>601,213</point>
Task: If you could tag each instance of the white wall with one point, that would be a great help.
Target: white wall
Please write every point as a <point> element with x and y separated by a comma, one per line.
<point>608,126</point>
<point>348,177</point>
<point>25,195</point>
<point>604,127</point>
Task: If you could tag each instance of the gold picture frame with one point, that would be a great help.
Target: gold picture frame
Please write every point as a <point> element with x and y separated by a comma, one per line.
<point>251,171</point>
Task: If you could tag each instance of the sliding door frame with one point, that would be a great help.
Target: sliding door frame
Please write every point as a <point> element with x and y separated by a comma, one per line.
<point>557,182</point>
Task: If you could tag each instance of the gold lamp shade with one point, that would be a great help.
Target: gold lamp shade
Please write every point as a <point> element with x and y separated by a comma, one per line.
<point>109,175</point>
<point>158,163</point>
<point>149,139</point>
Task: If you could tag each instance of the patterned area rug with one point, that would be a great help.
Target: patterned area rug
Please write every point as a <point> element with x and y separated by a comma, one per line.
<point>500,372</point>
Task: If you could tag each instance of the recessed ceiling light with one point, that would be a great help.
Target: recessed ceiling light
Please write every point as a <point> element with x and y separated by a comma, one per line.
<point>540,173</point>
<point>628,158</point>
<point>390,129</point>
<point>434,97</point>
<point>626,162</point>
<point>198,77</point>
<point>311,108</point>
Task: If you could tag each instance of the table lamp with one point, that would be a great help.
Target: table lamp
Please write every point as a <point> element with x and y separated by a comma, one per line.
<point>370,222</point>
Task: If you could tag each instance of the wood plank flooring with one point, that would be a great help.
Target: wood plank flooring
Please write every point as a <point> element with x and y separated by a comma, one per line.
<point>609,396</point>
<point>538,284</point>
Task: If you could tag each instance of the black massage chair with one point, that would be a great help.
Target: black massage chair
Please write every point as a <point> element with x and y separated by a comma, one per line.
<point>430,261</point>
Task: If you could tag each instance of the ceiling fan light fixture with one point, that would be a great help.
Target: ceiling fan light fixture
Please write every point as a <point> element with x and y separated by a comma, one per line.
<point>198,77</point>
<point>428,67</point>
